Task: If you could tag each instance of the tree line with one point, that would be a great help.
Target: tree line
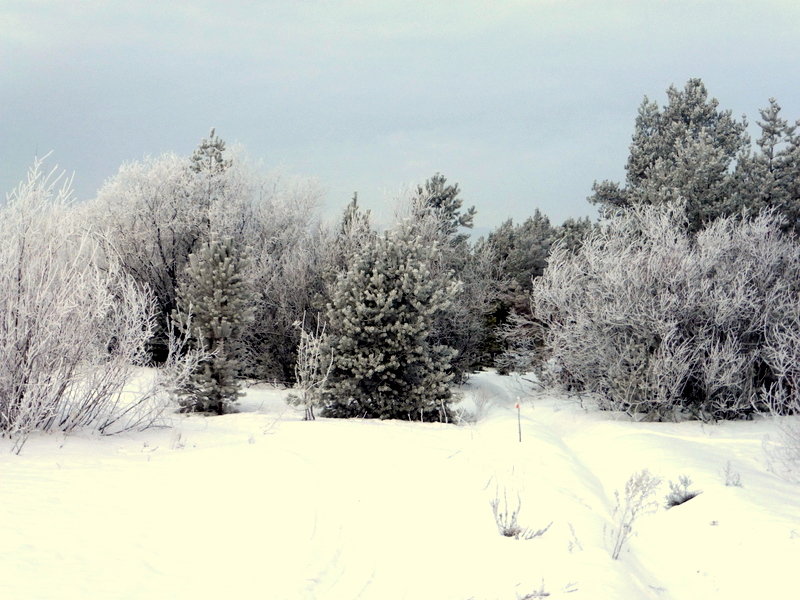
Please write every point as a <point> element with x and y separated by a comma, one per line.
<point>681,300</point>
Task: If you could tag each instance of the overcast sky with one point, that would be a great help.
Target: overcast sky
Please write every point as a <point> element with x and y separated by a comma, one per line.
<point>524,103</point>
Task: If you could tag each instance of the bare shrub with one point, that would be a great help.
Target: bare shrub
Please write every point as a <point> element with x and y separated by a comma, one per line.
<point>540,593</point>
<point>732,478</point>
<point>783,396</point>
<point>637,500</point>
<point>506,516</point>
<point>680,492</point>
<point>481,406</point>
<point>523,340</point>
<point>311,369</point>
<point>74,326</point>
<point>574,544</point>
<point>783,451</point>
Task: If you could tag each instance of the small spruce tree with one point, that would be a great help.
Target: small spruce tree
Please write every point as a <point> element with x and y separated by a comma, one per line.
<point>214,305</point>
<point>385,363</point>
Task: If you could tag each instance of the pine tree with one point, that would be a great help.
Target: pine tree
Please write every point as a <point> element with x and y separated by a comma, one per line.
<point>691,151</point>
<point>790,179</point>
<point>572,232</point>
<point>527,256</point>
<point>437,212</point>
<point>209,184</point>
<point>208,156</point>
<point>434,197</point>
<point>522,252</point>
<point>214,306</point>
<point>684,151</point>
<point>354,230</point>
<point>770,178</point>
<point>381,317</point>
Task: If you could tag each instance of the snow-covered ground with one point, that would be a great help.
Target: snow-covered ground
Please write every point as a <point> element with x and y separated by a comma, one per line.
<point>260,504</point>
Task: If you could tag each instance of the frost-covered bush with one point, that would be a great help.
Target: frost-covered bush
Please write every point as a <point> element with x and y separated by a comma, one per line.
<point>72,324</point>
<point>658,321</point>
<point>681,492</point>
<point>783,396</point>
<point>381,319</point>
<point>506,515</point>
<point>732,477</point>
<point>636,501</point>
<point>311,370</point>
<point>291,253</point>
<point>157,211</point>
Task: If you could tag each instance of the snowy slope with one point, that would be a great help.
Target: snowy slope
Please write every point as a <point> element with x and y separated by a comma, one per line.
<point>261,504</point>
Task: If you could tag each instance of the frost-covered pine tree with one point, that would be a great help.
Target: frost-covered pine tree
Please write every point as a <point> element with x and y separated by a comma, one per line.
<point>683,151</point>
<point>352,233</point>
<point>385,363</point>
<point>214,305</point>
<point>770,177</point>
<point>437,198</point>
<point>208,156</point>
<point>440,218</point>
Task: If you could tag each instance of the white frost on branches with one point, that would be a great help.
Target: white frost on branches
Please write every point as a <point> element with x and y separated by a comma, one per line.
<point>73,326</point>
<point>659,322</point>
<point>314,363</point>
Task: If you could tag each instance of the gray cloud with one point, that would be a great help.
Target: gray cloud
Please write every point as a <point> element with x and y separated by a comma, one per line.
<point>524,103</point>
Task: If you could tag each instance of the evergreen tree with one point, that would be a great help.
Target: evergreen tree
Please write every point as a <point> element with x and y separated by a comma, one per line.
<point>522,252</point>
<point>438,214</point>
<point>209,184</point>
<point>684,151</point>
<point>790,180</point>
<point>385,364</point>
<point>572,232</point>
<point>524,248</point>
<point>770,178</point>
<point>437,198</point>
<point>208,156</point>
<point>353,232</point>
<point>214,306</point>
<point>691,151</point>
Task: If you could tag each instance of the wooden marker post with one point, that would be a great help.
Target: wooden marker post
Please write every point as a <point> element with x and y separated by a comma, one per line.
<point>519,420</point>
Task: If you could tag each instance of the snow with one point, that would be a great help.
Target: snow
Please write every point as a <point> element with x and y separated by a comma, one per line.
<point>262,504</point>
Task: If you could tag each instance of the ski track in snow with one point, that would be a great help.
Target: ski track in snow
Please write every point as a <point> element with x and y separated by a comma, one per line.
<point>260,504</point>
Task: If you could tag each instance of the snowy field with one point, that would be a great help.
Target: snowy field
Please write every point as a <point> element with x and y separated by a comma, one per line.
<point>260,504</point>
